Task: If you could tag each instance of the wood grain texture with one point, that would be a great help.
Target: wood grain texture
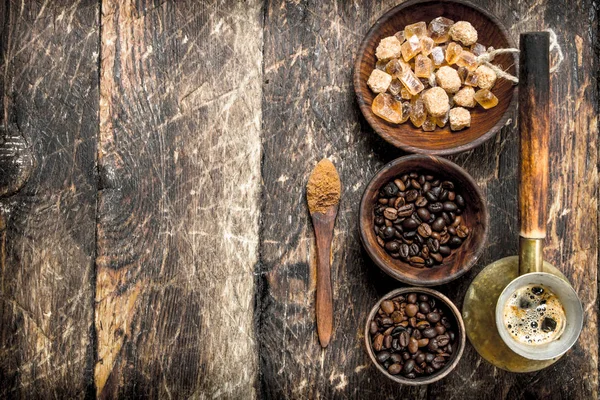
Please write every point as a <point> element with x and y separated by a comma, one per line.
<point>534,134</point>
<point>179,157</point>
<point>308,113</point>
<point>49,84</point>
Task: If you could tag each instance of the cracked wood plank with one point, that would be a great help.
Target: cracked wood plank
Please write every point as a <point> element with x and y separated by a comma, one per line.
<point>49,84</point>
<point>179,155</point>
<point>308,53</point>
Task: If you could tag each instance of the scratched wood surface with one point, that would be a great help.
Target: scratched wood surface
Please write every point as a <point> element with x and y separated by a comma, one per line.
<point>154,238</point>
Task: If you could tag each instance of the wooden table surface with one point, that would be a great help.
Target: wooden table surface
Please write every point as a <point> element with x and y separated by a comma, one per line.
<point>154,238</point>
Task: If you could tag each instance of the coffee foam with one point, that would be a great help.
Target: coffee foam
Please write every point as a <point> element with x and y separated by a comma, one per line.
<point>530,313</point>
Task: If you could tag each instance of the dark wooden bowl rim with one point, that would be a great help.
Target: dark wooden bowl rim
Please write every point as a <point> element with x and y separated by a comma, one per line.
<point>455,357</point>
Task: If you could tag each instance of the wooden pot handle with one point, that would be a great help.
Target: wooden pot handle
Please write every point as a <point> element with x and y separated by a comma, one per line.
<point>534,126</point>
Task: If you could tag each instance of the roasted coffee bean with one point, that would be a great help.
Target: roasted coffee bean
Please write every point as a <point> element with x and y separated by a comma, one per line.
<point>383,356</point>
<point>399,202</point>
<point>395,369</point>
<point>429,263</point>
<point>430,196</point>
<point>437,363</point>
<point>413,345</point>
<point>380,241</point>
<point>423,213</point>
<point>411,310</point>
<point>433,317</point>
<point>404,251</point>
<point>422,325</point>
<point>462,231</point>
<point>423,342</point>
<point>390,189</point>
<point>409,365</point>
<point>422,179</point>
<point>446,218</point>
<point>420,316</point>
<point>388,306</point>
<point>430,333</point>
<point>411,195</point>
<point>404,338</point>
<point>439,224</point>
<point>417,260</point>
<point>413,175</point>
<point>435,235</point>
<point>444,238</point>
<point>383,200</point>
<point>388,222</point>
<point>411,298</point>
<point>398,233</point>
<point>429,357</point>
<point>387,322</point>
<point>424,230</point>
<point>393,247</point>
<point>454,242</point>
<point>388,331</point>
<point>424,307</point>
<point>415,184</point>
<point>388,232</point>
<point>396,358</point>
<point>451,196</point>
<point>378,342</point>
<point>433,245</point>
<point>449,206</point>
<point>452,231</point>
<point>423,297</point>
<point>421,201</point>
<point>387,342</point>
<point>443,340</point>
<point>425,252</point>
<point>397,331</point>
<point>429,370</point>
<point>406,210</point>
<point>451,335</point>
<point>435,207</point>
<point>440,330</point>
<point>445,250</point>
<point>395,255</point>
<point>420,358</point>
<point>416,334</point>
<point>413,250</point>
<point>390,213</point>
<point>448,185</point>
<point>457,221</point>
<point>400,184</point>
<point>379,220</point>
<point>433,345</point>
<point>460,201</point>
<point>373,327</point>
<point>443,195</point>
<point>426,187</point>
<point>409,223</point>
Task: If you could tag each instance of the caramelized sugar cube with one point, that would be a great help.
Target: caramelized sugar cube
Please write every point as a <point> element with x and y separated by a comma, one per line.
<point>472,79</point>
<point>410,48</point>
<point>486,99</point>
<point>418,115</point>
<point>462,73</point>
<point>443,120</point>
<point>379,81</point>
<point>463,32</point>
<point>389,47</point>
<point>395,67</point>
<point>464,97</point>
<point>418,29</point>
<point>460,118</point>
<point>411,82</point>
<point>486,77</point>
<point>400,36</point>
<point>423,66</point>
<point>395,87</point>
<point>436,101</point>
<point>478,49</point>
<point>405,111</point>
<point>380,64</point>
<point>427,45</point>
<point>405,94</point>
<point>439,29</point>
<point>428,124</point>
<point>447,78</point>
<point>386,107</point>
<point>437,56</point>
<point>453,52</point>
<point>468,60</point>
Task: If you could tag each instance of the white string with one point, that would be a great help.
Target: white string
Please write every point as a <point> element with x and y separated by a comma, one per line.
<point>486,58</point>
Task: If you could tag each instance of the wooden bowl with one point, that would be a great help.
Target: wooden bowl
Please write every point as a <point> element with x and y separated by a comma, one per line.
<point>456,319</point>
<point>484,123</point>
<point>475,217</point>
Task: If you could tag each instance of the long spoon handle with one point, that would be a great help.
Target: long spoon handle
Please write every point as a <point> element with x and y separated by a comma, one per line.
<point>534,127</point>
<point>323,224</point>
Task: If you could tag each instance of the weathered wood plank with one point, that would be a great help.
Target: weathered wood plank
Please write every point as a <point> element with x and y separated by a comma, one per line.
<point>49,84</point>
<point>308,54</point>
<point>178,207</point>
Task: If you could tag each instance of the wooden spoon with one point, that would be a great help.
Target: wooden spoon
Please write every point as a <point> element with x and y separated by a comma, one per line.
<point>323,195</point>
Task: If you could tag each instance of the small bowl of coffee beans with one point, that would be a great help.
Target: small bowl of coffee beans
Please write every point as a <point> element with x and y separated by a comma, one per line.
<point>415,336</point>
<point>423,220</point>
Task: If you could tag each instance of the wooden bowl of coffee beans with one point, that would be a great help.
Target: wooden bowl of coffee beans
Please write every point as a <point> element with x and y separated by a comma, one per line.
<point>480,102</point>
<point>423,220</point>
<point>415,336</point>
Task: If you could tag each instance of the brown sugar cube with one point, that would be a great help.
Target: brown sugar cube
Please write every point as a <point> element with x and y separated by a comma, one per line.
<point>464,97</point>
<point>379,81</point>
<point>387,108</point>
<point>436,101</point>
<point>427,44</point>
<point>453,52</point>
<point>418,29</point>
<point>439,29</point>
<point>486,77</point>
<point>460,118</point>
<point>447,78</point>
<point>486,99</point>
<point>400,36</point>
<point>410,48</point>
<point>463,32</point>
<point>389,47</point>
<point>423,66</point>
